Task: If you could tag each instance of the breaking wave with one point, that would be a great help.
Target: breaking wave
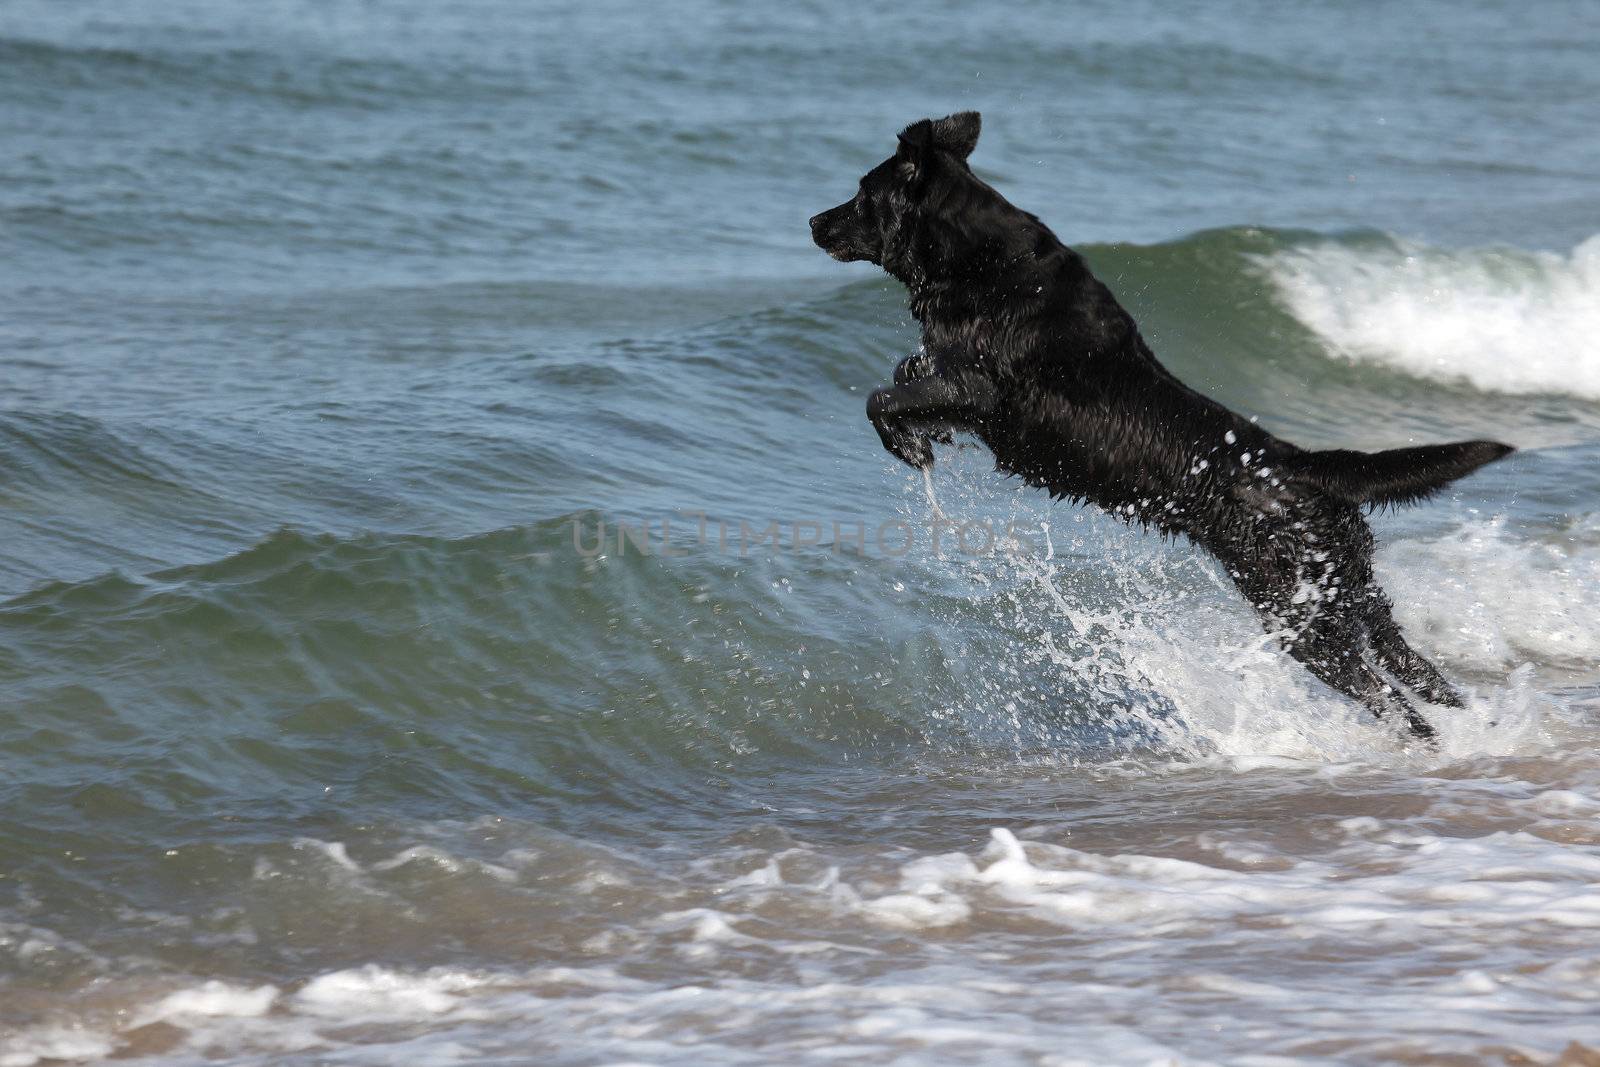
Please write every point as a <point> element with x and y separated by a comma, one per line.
<point>1503,320</point>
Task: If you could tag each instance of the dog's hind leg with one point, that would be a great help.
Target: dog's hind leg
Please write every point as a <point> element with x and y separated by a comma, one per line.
<point>1404,662</point>
<point>1310,575</point>
<point>1345,671</point>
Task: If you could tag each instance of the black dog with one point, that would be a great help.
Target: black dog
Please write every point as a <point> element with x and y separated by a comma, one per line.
<point>1023,347</point>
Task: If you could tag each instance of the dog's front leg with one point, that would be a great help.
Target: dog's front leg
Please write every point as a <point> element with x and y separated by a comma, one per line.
<point>915,367</point>
<point>906,416</point>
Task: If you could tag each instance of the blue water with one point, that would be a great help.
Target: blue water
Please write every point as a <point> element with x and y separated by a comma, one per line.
<point>332,334</point>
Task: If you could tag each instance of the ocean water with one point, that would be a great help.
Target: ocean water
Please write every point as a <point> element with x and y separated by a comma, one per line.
<point>342,721</point>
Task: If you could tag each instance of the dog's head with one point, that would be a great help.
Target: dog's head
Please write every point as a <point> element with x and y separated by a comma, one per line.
<point>930,153</point>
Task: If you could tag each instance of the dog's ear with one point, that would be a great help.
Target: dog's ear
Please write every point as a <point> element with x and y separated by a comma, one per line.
<point>958,133</point>
<point>916,144</point>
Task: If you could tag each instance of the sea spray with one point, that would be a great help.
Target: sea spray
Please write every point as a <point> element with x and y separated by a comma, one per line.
<point>1161,648</point>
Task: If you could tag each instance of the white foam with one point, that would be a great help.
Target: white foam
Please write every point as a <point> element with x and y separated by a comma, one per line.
<point>54,1044</point>
<point>704,925</point>
<point>211,1014</point>
<point>1479,594</point>
<point>333,850</point>
<point>427,855</point>
<point>218,999</point>
<point>375,991</point>
<point>1504,320</point>
<point>1513,880</point>
<point>1465,887</point>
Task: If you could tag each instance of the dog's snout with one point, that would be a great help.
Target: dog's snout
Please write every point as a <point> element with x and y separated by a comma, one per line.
<point>839,234</point>
<point>820,235</point>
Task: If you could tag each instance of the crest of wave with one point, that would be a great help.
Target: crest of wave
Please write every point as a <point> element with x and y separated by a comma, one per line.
<point>1504,320</point>
<point>1132,645</point>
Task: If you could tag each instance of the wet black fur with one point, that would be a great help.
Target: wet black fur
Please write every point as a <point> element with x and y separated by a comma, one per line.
<point>1025,348</point>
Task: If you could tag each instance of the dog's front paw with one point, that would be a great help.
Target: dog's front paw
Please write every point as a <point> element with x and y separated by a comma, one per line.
<point>910,447</point>
<point>901,416</point>
<point>915,450</point>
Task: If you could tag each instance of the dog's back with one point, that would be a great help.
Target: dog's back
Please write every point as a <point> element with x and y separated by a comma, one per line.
<point>1092,415</point>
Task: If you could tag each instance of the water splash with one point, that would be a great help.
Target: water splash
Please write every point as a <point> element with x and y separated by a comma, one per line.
<point>1115,636</point>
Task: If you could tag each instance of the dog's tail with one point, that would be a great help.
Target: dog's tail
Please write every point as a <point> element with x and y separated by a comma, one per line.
<point>1398,476</point>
